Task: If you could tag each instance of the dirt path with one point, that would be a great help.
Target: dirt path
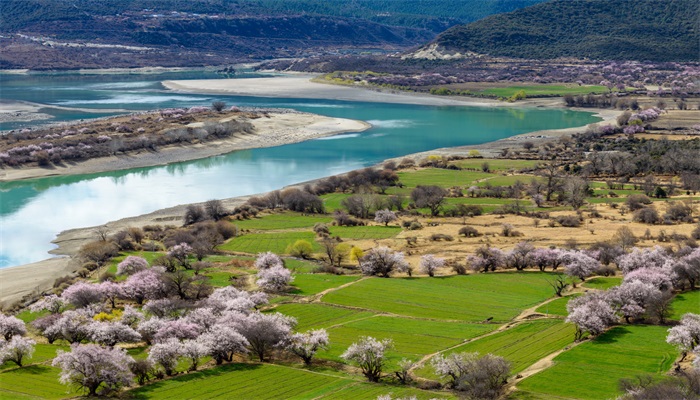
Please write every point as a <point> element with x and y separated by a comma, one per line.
<point>317,297</point>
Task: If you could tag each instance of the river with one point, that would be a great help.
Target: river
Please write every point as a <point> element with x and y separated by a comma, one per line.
<point>32,212</point>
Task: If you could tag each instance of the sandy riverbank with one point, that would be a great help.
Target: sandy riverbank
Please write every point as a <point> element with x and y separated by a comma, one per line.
<point>276,130</point>
<point>301,87</point>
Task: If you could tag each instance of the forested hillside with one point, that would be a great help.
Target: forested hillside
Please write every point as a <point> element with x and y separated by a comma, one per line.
<point>62,34</point>
<point>621,29</point>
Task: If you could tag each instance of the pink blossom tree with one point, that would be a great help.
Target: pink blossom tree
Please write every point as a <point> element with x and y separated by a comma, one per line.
<point>166,354</point>
<point>265,332</point>
<point>82,294</point>
<point>224,341</point>
<point>369,354</point>
<point>632,299</point>
<point>658,277</point>
<point>148,328</point>
<point>44,323</point>
<point>131,316</point>
<point>50,303</point>
<point>194,350</point>
<point>383,261</point>
<point>642,258</point>
<point>132,265</point>
<point>518,257</point>
<point>11,326</point>
<point>274,279</point>
<point>545,257</point>
<point>578,264</point>
<point>111,291</point>
<point>16,350</point>
<point>686,335</point>
<point>429,264</point>
<point>111,333</point>
<point>384,217</point>
<point>72,326</point>
<point>146,284</point>
<point>486,259</point>
<point>267,260</point>
<point>590,313</point>
<point>181,252</point>
<point>91,367</point>
<point>305,345</point>
<point>178,329</point>
<point>202,317</point>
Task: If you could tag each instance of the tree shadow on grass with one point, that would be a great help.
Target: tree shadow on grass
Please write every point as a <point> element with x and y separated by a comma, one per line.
<point>612,335</point>
<point>145,391</point>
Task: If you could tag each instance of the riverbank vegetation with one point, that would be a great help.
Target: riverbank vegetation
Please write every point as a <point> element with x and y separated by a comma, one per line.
<point>122,135</point>
<point>556,255</point>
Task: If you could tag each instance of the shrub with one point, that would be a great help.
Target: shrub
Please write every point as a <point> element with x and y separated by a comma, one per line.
<point>647,215</point>
<point>469,231</point>
<point>637,201</point>
<point>568,221</point>
<point>301,248</point>
<point>436,237</point>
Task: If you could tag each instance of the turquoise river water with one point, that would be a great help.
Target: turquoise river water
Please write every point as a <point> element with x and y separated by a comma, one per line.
<point>32,212</point>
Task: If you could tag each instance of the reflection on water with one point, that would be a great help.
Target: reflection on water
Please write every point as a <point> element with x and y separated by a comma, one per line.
<point>33,212</point>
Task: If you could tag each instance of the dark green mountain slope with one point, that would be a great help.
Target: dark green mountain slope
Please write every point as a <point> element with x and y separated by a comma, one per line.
<point>653,30</point>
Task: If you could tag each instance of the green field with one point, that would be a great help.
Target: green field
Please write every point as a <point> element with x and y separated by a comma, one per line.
<point>688,302</point>
<point>310,284</point>
<point>522,345</point>
<point>603,283</point>
<point>365,232</point>
<point>286,220</point>
<point>275,242</point>
<point>592,370</point>
<point>544,90</point>
<point>265,381</point>
<point>556,307</point>
<point>412,338</point>
<point>440,177</point>
<point>36,381</point>
<point>465,298</point>
<point>315,316</point>
<point>496,164</point>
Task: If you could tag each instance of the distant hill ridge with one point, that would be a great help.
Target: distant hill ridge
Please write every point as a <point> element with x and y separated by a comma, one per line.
<point>644,30</point>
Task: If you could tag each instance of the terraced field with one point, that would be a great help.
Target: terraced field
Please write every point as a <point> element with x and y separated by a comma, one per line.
<point>310,284</point>
<point>265,381</point>
<point>688,302</point>
<point>465,298</point>
<point>314,316</point>
<point>522,345</point>
<point>592,370</point>
<point>412,338</point>
<point>276,242</point>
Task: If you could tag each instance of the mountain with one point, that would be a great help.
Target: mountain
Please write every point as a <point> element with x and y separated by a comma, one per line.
<point>66,34</point>
<point>644,30</point>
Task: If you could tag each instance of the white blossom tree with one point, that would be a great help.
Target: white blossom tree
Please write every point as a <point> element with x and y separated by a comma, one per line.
<point>132,265</point>
<point>368,354</point>
<point>384,217</point>
<point>274,279</point>
<point>686,335</point>
<point>224,341</point>
<point>383,261</point>
<point>166,354</point>
<point>50,303</point>
<point>590,313</point>
<point>194,350</point>
<point>91,367</point>
<point>110,333</point>
<point>305,345</point>
<point>480,377</point>
<point>429,264</point>
<point>11,326</point>
<point>264,331</point>
<point>16,350</point>
<point>267,260</point>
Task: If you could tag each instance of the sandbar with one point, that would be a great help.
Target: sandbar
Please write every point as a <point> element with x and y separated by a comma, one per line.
<point>302,87</point>
<point>275,129</point>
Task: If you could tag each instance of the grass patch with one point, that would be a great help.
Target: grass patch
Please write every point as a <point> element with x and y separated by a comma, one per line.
<point>42,353</point>
<point>33,381</point>
<point>688,302</point>
<point>496,164</point>
<point>365,232</point>
<point>310,284</point>
<point>412,338</point>
<point>522,345</point>
<point>509,180</point>
<point>287,220</point>
<point>603,283</point>
<point>314,316</point>
<point>592,370</point>
<point>556,307</point>
<point>544,90</point>
<point>440,177</point>
<point>275,242</point>
<point>465,298</point>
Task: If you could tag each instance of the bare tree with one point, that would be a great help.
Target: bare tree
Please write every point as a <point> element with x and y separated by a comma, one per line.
<point>432,197</point>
